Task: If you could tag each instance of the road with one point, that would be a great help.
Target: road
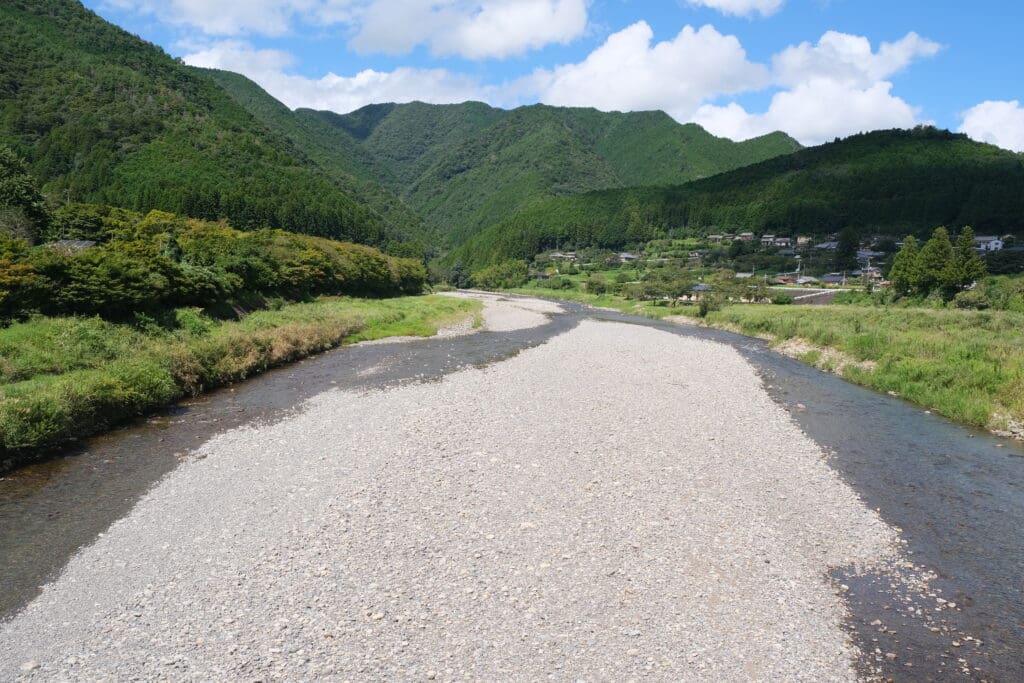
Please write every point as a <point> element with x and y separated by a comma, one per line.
<point>618,502</point>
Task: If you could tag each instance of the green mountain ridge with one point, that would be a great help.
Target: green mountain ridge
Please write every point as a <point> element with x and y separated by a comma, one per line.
<point>466,166</point>
<point>332,150</point>
<point>102,116</point>
<point>895,182</point>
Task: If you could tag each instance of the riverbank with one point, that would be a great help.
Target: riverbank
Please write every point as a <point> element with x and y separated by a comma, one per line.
<point>965,365</point>
<point>587,533</point>
<point>63,379</point>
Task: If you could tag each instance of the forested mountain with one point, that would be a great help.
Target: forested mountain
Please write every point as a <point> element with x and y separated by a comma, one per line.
<point>893,182</point>
<point>331,148</point>
<point>466,166</point>
<point>103,116</point>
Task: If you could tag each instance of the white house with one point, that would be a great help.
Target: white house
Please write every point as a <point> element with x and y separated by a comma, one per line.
<point>988,243</point>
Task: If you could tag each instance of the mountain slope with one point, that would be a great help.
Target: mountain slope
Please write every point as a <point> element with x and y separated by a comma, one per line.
<point>466,166</point>
<point>102,116</point>
<point>892,182</point>
<point>334,151</point>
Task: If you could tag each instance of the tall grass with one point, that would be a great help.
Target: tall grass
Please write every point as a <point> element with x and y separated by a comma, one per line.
<point>966,365</point>
<point>67,378</point>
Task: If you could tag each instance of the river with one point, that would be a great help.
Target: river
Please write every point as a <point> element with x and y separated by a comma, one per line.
<point>956,494</point>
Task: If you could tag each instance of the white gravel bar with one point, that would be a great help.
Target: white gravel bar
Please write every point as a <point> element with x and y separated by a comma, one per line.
<point>617,503</point>
<point>506,314</point>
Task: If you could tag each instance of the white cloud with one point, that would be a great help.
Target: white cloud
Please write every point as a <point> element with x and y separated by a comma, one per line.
<point>333,92</point>
<point>849,59</point>
<point>474,29</point>
<point>627,72</point>
<point>835,88</point>
<point>741,8</point>
<point>998,123</point>
<point>814,112</point>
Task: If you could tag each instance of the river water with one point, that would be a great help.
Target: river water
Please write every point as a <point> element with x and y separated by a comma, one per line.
<point>956,494</point>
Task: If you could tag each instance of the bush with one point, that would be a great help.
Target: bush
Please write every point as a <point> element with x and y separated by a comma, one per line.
<point>502,276</point>
<point>782,300</point>
<point>973,298</point>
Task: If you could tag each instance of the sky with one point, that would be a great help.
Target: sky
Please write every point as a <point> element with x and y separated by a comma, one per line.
<point>816,69</point>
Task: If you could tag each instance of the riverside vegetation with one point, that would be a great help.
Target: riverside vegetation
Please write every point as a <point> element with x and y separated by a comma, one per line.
<point>69,377</point>
<point>128,312</point>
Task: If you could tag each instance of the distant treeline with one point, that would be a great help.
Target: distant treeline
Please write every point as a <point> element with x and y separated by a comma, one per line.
<point>889,182</point>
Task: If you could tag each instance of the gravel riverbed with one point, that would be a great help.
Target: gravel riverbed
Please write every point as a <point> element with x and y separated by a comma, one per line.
<point>618,502</point>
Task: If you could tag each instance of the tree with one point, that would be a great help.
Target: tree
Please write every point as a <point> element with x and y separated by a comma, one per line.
<point>905,273</point>
<point>938,265</point>
<point>23,212</point>
<point>846,251</point>
<point>969,266</point>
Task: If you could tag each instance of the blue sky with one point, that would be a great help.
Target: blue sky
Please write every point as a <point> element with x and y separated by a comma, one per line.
<point>817,69</point>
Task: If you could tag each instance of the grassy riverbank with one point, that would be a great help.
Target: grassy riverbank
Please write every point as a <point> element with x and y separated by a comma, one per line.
<point>67,378</point>
<point>965,365</point>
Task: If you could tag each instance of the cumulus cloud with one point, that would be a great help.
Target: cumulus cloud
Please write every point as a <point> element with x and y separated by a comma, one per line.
<point>334,92</point>
<point>814,112</point>
<point>741,8</point>
<point>849,59</point>
<point>628,72</point>
<point>834,88</point>
<point>474,29</point>
<point>998,123</point>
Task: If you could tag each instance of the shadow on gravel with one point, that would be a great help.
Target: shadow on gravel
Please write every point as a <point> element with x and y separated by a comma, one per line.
<point>956,494</point>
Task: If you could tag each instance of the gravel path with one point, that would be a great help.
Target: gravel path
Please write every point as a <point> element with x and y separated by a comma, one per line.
<point>616,503</point>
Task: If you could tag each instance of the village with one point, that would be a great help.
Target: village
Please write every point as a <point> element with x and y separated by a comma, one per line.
<point>742,267</point>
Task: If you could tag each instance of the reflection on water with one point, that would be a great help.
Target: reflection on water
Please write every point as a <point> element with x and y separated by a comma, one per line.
<point>956,494</point>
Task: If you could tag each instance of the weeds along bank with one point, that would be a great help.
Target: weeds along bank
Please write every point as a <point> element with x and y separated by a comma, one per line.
<point>965,365</point>
<point>67,378</point>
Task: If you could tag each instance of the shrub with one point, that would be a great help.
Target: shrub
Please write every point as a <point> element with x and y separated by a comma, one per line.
<point>972,298</point>
<point>782,300</point>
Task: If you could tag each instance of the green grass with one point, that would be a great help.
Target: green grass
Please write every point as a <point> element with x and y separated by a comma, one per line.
<point>966,365</point>
<point>67,378</point>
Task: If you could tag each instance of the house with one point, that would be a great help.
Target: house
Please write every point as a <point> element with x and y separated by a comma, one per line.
<point>988,243</point>
<point>783,241</point>
<point>746,237</point>
<point>744,276</point>
<point>834,279</point>
<point>715,238</point>
<point>567,256</point>
<point>729,238</point>
<point>807,280</point>
<point>803,240</point>
<point>626,257</point>
<point>71,246</point>
<point>827,246</point>
<point>768,240</point>
<point>873,274</point>
<point>865,255</point>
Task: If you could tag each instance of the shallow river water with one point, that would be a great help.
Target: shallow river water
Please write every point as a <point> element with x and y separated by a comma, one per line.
<point>956,494</point>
